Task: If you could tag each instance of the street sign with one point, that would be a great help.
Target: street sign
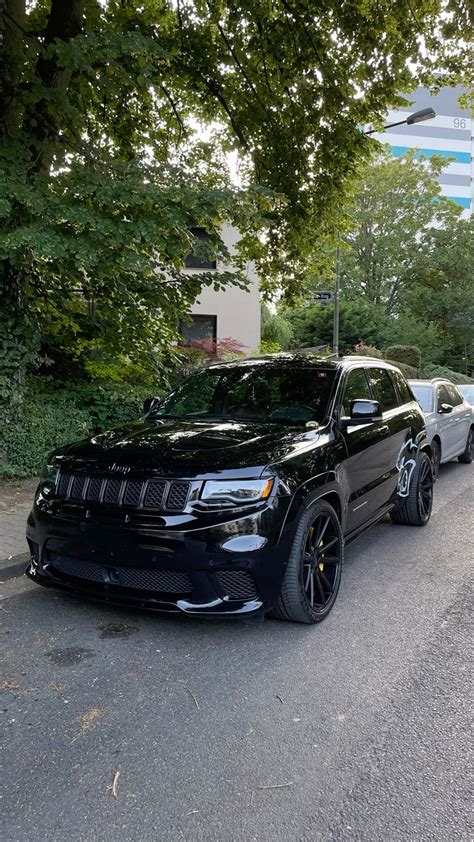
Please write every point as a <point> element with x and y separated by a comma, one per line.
<point>323,296</point>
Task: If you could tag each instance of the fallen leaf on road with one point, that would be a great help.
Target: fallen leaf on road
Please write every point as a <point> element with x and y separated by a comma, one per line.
<point>88,722</point>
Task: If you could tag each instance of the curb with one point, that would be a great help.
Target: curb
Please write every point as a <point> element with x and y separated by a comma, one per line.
<point>12,567</point>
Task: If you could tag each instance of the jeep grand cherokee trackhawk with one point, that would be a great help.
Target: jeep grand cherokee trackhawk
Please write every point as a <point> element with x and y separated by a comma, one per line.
<point>236,493</point>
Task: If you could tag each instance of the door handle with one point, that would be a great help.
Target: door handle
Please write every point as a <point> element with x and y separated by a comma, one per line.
<point>384,431</point>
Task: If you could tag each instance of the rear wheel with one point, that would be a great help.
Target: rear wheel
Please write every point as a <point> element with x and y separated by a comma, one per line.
<point>415,508</point>
<point>313,573</point>
<point>466,455</point>
<point>435,458</point>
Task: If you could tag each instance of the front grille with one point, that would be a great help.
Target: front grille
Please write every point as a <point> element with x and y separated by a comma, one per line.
<point>154,495</point>
<point>177,496</point>
<point>112,491</point>
<point>93,490</point>
<point>237,584</point>
<point>134,493</point>
<point>164,581</point>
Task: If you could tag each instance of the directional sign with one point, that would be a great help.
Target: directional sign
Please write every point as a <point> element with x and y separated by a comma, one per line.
<point>323,296</point>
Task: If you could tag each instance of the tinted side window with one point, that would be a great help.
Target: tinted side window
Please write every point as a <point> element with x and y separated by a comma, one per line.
<point>454,397</point>
<point>402,386</point>
<point>383,389</point>
<point>356,387</point>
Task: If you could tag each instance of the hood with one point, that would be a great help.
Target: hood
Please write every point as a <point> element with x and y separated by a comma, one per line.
<point>186,448</point>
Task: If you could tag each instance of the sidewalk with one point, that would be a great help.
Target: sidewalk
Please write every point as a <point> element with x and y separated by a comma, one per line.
<point>15,503</point>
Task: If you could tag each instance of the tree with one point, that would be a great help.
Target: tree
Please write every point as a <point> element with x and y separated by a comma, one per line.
<point>358,322</point>
<point>276,330</point>
<point>444,292</point>
<point>397,204</point>
<point>102,174</point>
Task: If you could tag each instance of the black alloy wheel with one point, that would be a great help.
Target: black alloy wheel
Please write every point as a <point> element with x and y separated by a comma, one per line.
<point>415,508</point>
<point>435,459</point>
<point>467,456</point>
<point>313,572</point>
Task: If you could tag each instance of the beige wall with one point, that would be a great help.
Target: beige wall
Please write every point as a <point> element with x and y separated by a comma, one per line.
<point>237,310</point>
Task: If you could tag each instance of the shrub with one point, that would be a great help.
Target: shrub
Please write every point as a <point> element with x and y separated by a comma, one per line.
<point>367,350</point>
<point>428,371</point>
<point>53,415</point>
<point>407,370</point>
<point>408,354</point>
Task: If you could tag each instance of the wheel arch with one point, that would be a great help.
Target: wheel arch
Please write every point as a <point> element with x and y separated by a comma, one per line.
<point>323,487</point>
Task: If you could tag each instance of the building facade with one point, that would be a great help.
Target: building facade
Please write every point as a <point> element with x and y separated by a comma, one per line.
<point>231,313</point>
<point>450,134</point>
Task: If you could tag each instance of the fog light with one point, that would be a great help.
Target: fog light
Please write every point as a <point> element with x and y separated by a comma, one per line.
<point>244,543</point>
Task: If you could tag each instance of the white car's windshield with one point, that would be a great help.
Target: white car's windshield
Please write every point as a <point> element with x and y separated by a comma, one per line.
<point>468,392</point>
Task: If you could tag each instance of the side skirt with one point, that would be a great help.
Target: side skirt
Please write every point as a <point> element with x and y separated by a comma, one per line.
<point>351,536</point>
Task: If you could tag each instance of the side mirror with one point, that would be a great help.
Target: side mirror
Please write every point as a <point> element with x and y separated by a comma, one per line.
<point>444,408</point>
<point>149,403</point>
<point>362,412</point>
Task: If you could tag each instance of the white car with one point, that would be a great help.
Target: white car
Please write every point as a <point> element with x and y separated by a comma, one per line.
<point>449,420</point>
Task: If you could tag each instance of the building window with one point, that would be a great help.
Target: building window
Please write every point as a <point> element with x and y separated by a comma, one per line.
<point>199,329</point>
<point>194,261</point>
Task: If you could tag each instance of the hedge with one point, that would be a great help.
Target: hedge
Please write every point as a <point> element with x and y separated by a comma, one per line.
<point>407,354</point>
<point>428,371</point>
<point>53,415</point>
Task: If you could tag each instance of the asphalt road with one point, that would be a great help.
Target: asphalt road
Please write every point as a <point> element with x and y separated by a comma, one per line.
<point>354,729</point>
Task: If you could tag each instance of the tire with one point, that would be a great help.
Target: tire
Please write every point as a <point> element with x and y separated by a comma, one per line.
<point>435,458</point>
<point>415,510</point>
<point>466,456</point>
<point>313,575</point>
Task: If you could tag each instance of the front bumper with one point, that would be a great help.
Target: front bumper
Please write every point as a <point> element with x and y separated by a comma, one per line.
<point>233,567</point>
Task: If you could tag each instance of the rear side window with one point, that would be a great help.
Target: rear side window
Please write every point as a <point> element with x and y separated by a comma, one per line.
<point>454,397</point>
<point>383,388</point>
<point>402,387</point>
<point>356,388</point>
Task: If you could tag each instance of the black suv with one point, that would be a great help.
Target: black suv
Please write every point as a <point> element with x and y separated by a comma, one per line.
<point>235,494</point>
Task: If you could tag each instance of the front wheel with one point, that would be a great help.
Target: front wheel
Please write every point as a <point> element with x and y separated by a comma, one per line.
<point>466,455</point>
<point>313,573</point>
<point>415,508</point>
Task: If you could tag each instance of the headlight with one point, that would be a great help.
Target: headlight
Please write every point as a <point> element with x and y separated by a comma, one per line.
<point>49,472</point>
<point>237,490</point>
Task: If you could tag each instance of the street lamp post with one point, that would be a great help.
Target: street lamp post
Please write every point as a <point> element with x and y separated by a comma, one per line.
<point>416,117</point>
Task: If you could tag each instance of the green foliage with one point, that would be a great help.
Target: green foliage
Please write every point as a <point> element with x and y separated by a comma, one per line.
<point>407,370</point>
<point>409,354</point>
<point>428,371</point>
<point>52,416</point>
<point>444,292</point>
<point>396,206</point>
<point>359,321</point>
<point>269,347</point>
<point>276,330</point>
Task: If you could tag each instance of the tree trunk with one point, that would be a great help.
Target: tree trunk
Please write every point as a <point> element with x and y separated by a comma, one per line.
<point>12,18</point>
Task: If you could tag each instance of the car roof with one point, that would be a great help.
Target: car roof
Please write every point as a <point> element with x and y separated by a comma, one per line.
<point>433,382</point>
<point>307,356</point>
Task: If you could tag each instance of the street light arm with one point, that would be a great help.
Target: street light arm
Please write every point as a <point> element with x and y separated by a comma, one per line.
<point>417,117</point>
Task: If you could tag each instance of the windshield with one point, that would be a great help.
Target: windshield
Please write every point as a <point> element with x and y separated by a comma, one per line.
<point>468,392</point>
<point>274,393</point>
<point>424,396</point>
